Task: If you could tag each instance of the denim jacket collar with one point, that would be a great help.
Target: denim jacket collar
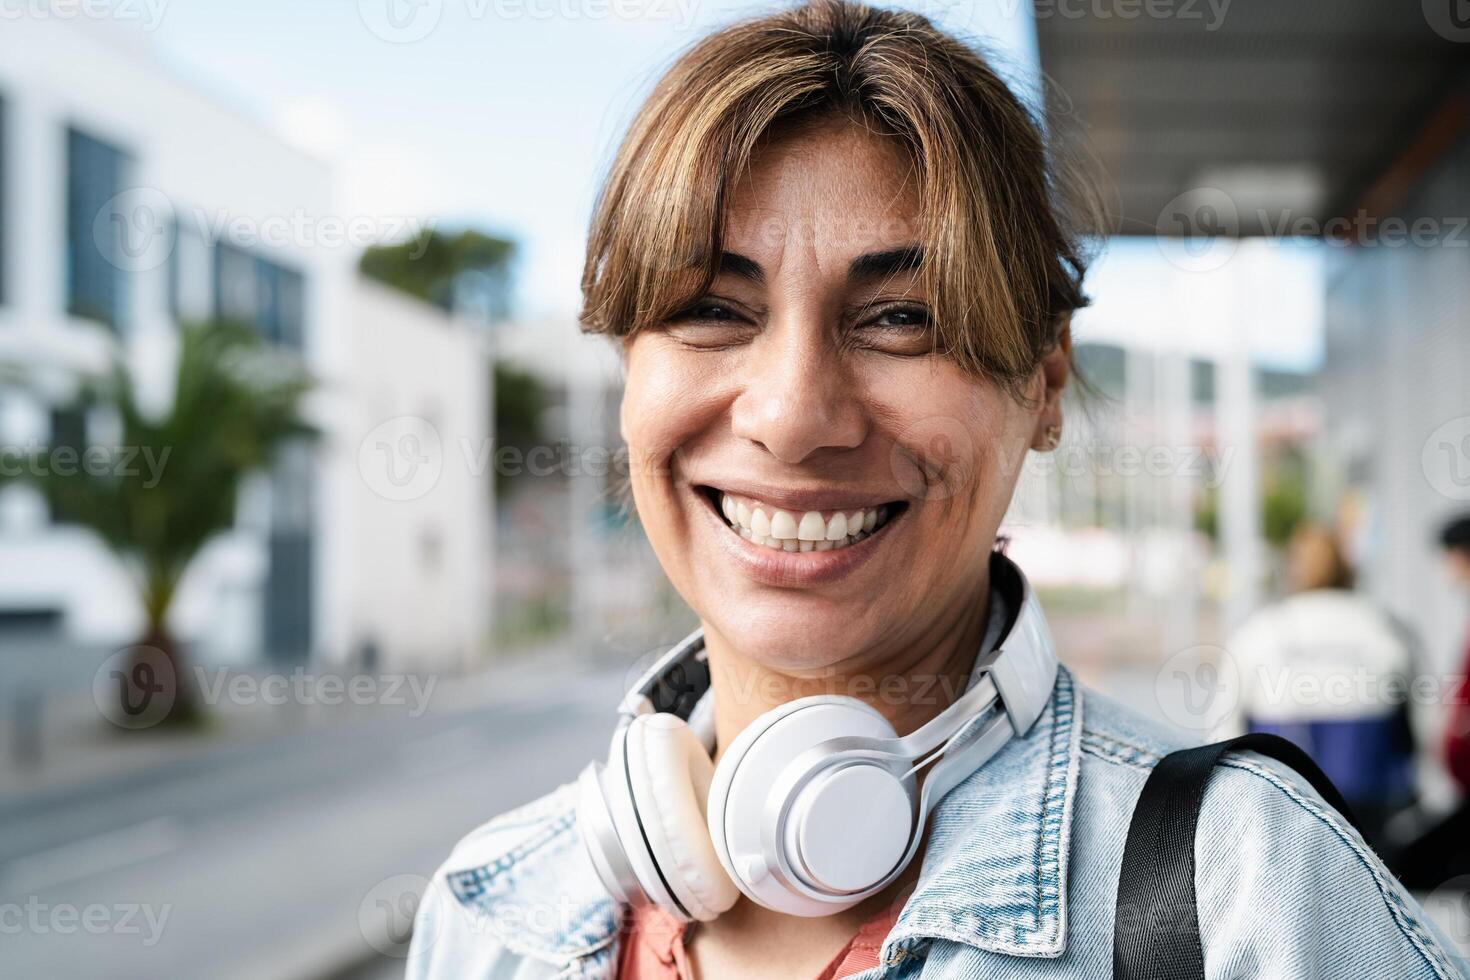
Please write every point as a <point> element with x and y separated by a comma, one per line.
<point>994,872</point>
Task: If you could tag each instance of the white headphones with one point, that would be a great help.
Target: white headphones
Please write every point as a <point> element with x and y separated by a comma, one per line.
<point>814,806</point>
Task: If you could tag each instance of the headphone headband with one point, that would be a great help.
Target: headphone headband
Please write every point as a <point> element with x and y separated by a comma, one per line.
<point>674,684</point>
<point>1022,666</point>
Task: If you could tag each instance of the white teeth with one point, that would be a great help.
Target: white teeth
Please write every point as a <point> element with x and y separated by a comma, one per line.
<point>783,525</point>
<point>760,524</point>
<point>813,528</point>
<point>783,530</point>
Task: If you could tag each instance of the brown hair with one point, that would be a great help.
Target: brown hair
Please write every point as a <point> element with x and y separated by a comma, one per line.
<point>1316,560</point>
<point>1000,266</point>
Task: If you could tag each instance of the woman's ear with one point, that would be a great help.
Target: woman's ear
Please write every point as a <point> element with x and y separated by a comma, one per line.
<point>1056,369</point>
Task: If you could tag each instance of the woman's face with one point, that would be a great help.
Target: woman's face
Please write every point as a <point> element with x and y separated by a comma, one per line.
<point>820,487</point>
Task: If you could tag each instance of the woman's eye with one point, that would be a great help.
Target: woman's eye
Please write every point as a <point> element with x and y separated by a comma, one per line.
<point>902,317</point>
<point>709,324</point>
<point>707,311</point>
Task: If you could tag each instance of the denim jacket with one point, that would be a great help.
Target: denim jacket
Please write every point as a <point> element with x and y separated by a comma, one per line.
<point>1018,879</point>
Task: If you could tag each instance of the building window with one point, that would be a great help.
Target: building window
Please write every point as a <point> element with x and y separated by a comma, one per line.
<point>289,587</point>
<point>95,285</point>
<point>263,294</point>
<point>191,277</point>
<point>69,436</point>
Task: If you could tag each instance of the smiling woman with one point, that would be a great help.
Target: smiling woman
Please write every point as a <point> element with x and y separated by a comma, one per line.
<point>834,257</point>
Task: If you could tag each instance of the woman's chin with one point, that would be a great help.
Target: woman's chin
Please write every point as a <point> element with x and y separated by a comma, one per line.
<point>785,629</point>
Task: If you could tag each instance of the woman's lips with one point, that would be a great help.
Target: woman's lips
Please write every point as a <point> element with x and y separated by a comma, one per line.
<point>772,561</point>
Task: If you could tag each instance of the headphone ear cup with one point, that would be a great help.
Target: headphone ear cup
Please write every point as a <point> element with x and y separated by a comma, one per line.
<point>742,797</point>
<point>669,773</point>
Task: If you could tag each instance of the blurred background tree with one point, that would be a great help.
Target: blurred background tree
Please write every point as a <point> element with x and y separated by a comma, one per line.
<point>467,272</point>
<point>237,401</point>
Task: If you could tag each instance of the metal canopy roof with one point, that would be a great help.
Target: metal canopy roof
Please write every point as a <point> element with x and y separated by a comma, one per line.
<point>1291,108</point>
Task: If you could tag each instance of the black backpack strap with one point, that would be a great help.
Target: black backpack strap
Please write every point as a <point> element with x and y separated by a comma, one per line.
<point>1156,922</point>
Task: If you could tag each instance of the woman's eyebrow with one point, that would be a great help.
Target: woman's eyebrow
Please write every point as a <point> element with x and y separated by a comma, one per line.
<point>738,265</point>
<point>888,262</point>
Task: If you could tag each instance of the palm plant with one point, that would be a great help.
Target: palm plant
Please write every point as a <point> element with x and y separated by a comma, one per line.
<point>237,402</point>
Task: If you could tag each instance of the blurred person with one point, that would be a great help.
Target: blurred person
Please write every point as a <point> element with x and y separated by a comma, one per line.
<point>834,257</point>
<point>1329,669</point>
<point>1455,540</point>
<point>1443,851</point>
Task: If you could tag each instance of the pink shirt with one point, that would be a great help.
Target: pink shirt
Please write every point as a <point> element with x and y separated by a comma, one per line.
<point>653,948</point>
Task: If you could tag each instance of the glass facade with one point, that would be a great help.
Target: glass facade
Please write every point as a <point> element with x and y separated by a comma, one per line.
<point>264,294</point>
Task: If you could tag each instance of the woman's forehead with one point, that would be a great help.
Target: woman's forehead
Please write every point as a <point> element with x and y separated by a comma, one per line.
<point>833,188</point>
<point>824,167</point>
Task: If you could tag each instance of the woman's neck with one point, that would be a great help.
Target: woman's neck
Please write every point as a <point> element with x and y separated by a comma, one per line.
<point>909,685</point>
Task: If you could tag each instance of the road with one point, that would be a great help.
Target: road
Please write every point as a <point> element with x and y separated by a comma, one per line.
<point>277,858</point>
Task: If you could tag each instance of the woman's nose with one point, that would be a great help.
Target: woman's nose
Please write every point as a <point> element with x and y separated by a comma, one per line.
<point>797,401</point>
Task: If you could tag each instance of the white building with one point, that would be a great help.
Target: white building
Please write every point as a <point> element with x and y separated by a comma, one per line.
<point>219,218</point>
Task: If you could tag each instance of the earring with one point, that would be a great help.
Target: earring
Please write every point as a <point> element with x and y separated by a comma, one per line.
<point>1053,436</point>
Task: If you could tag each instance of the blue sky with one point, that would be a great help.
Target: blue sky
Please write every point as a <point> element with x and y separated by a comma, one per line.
<point>503,113</point>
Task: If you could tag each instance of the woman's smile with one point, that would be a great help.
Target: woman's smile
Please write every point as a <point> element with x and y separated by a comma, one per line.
<point>791,546</point>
